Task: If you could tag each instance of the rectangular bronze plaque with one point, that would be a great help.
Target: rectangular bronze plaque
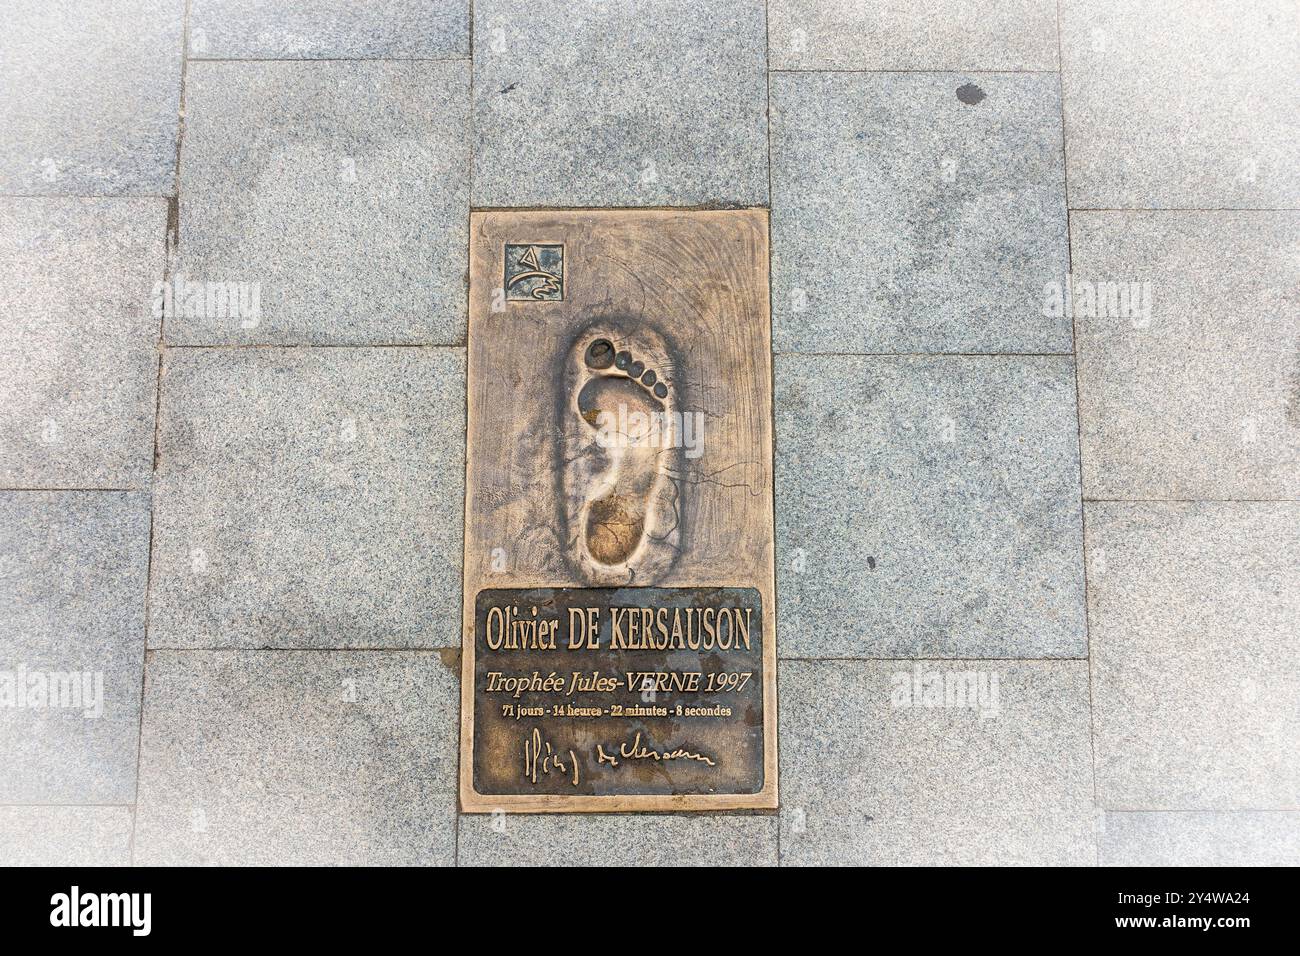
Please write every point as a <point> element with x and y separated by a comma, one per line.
<point>618,645</point>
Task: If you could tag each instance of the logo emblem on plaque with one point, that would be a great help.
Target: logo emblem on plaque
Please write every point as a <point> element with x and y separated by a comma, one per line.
<point>534,272</point>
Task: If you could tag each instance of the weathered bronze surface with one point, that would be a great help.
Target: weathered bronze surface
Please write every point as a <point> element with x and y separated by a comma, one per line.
<point>619,469</point>
<point>618,691</point>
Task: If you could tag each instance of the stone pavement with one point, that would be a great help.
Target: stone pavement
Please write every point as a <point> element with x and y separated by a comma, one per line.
<point>1038,553</point>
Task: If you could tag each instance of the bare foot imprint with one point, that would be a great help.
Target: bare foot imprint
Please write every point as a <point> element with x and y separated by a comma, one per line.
<point>620,452</point>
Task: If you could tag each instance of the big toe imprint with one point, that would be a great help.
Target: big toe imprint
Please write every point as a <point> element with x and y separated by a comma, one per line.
<point>622,500</point>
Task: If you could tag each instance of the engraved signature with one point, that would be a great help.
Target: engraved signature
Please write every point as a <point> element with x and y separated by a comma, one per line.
<point>637,751</point>
<point>540,758</point>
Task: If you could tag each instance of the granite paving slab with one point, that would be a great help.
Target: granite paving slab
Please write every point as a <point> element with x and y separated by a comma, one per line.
<point>655,840</point>
<point>65,836</point>
<point>298,758</point>
<point>78,341</point>
<point>620,103</point>
<point>323,204</point>
<point>309,498</point>
<point>1185,104</point>
<point>913,35</point>
<point>329,29</point>
<point>1193,390</point>
<point>1235,838</point>
<point>935,763</point>
<point>917,212</point>
<point>90,97</point>
<point>1194,613</point>
<point>73,569</point>
<point>928,507</point>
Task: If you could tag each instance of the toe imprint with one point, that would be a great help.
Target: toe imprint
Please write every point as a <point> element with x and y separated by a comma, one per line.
<point>600,354</point>
<point>606,393</point>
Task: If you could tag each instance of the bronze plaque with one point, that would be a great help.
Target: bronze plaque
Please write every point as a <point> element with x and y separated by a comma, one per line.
<point>619,651</point>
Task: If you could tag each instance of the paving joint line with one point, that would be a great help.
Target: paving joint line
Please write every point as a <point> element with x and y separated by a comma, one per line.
<point>1078,420</point>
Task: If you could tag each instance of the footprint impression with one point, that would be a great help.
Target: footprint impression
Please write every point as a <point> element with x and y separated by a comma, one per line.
<point>621,452</point>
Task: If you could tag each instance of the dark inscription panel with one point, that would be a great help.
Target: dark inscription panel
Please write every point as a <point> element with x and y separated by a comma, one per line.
<point>619,691</point>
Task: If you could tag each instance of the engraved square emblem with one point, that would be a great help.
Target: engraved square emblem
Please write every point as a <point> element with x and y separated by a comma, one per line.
<point>534,272</point>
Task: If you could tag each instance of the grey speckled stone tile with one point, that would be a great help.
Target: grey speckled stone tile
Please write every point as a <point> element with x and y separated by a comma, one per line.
<point>1200,839</point>
<point>309,498</point>
<point>1182,103</point>
<point>1195,622</point>
<point>341,189</point>
<point>871,774</point>
<point>73,569</point>
<point>913,35</point>
<point>90,97</point>
<point>78,341</point>
<point>342,29</point>
<point>298,758</point>
<point>617,840</point>
<point>1200,399</point>
<point>928,507</point>
<point>620,103</point>
<point>65,836</point>
<point>906,219</point>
